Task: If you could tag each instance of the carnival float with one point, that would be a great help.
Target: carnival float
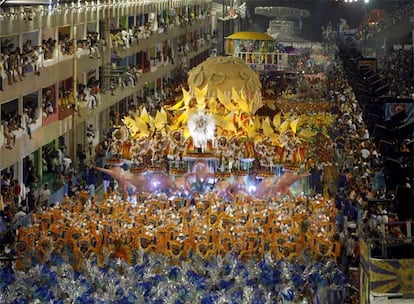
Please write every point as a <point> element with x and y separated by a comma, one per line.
<point>212,137</point>
<point>213,219</point>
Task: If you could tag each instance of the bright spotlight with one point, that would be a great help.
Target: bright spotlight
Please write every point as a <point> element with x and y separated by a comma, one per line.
<point>251,189</point>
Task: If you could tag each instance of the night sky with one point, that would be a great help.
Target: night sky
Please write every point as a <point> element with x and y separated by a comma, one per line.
<point>321,12</point>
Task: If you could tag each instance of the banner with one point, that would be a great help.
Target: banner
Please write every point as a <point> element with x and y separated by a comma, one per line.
<point>393,108</point>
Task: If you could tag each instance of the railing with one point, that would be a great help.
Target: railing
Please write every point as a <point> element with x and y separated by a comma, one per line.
<point>264,61</point>
<point>389,241</point>
<point>64,113</point>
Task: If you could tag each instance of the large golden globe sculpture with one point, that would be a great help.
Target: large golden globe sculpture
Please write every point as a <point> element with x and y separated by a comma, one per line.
<point>225,74</point>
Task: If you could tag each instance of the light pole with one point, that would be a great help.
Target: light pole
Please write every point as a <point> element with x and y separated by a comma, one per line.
<point>75,94</point>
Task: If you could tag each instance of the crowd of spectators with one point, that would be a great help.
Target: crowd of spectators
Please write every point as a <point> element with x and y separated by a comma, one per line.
<point>93,43</point>
<point>11,61</point>
<point>67,45</point>
<point>19,199</point>
<point>16,62</point>
<point>48,104</point>
<point>124,38</point>
<point>89,93</point>
<point>49,48</point>
<point>16,201</point>
<point>12,122</point>
<point>376,26</point>
<point>28,13</point>
<point>66,99</point>
<point>379,166</point>
<point>397,67</point>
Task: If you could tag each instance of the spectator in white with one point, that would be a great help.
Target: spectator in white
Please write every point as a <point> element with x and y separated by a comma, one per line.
<point>365,153</point>
<point>54,163</point>
<point>125,38</point>
<point>67,162</point>
<point>60,155</point>
<point>38,59</point>
<point>374,152</point>
<point>9,135</point>
<point>44,165</point>
<point>366,134</point>
<point>20,214</point>
<point>44,195</point>
<point>50,109</point>
<point>90,136</point>
<point>6,180</point>
<point>23,195</point>
<point>93,41</point>
<point>2,72</point>
<point>128,78</point>
<point>26,121</point>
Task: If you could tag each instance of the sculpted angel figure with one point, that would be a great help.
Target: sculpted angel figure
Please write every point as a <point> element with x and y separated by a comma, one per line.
<point>116,148</point>
<point>177,145</point>
<point>224,152</point>
<point>118,136</point>
<point>264,149</point>
<point>140,148</point>
<point>236,152</point>
<point>157,145</point>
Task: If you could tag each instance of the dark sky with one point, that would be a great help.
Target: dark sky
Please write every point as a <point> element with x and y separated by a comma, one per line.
<point>321,12</point>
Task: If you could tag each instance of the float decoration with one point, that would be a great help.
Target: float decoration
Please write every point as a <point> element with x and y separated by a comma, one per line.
<point>216,120</point>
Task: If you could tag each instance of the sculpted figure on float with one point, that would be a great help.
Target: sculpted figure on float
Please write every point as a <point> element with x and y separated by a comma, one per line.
<point>198,181</point>
<point>281,186</point>
<point>126,179</point>
<point>263,190</point>
<point>182,186</point>
<point>140,182</point>
<point>238,187</point>
<point>153,182</point>
<point>199,177</point>
<point>118,174</point>
<point>222,190</point>
<point>158,143</point>
<point>160,182</point>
